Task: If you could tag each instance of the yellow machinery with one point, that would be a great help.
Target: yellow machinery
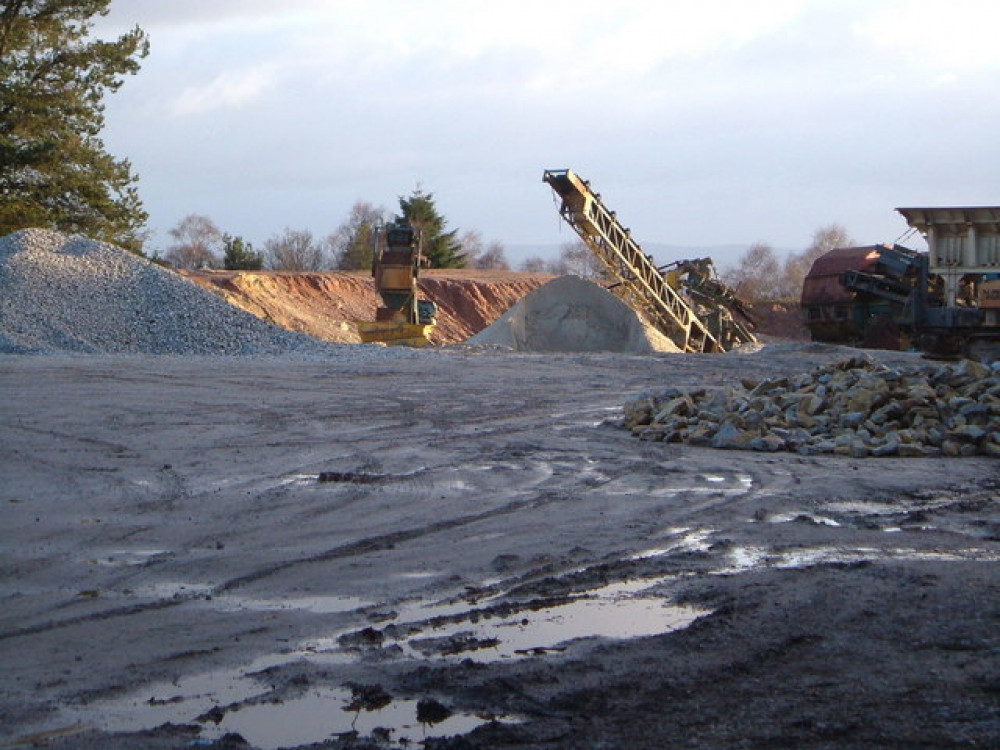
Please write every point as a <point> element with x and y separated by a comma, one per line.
<point>403,318</point>
<point>694,314</point>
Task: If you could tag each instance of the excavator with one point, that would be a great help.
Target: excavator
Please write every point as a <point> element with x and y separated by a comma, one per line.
<point>403,318</point>
<point>684,300</point>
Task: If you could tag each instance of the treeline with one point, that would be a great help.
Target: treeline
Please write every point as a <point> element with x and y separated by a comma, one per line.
<point>199,243</point>
<point>761,274</point>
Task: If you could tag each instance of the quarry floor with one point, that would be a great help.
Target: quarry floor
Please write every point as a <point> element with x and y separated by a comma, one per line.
<point>462,549</point>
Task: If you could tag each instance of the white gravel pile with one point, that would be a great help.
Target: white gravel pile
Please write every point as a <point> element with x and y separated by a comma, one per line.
<point>570,314</point>
<point>71,294</point>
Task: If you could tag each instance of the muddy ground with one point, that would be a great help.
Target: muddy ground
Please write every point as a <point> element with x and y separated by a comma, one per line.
<point>384,552</point>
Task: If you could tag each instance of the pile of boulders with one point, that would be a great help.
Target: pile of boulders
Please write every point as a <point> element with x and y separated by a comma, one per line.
<point>855,407</point>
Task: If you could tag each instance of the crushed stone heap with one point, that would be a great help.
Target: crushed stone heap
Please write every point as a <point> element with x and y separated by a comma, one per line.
<point>855,407</point>
<point>60,293</point>
<point>570,314</point>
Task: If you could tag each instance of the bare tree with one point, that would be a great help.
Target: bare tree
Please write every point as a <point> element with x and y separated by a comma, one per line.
<point>493,258</point>
<point>797,265</point>
<point>756,275</point>
<point>578,259</point>
<point>353,243</point>
<point>534,264</point>
<point>294,250</point>
<point>478,255</point>
<point>197,241</point>
<point>471,244</point>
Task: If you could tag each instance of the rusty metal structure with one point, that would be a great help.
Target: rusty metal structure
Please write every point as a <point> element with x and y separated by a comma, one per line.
<point>698,325</point>
<point>945,301</point>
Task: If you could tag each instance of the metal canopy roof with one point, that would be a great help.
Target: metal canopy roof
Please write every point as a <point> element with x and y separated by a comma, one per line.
<point>924,218</point>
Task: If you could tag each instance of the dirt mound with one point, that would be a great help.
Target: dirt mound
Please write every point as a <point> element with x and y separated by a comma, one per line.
<point>570,314</point>
<point>329,305</point>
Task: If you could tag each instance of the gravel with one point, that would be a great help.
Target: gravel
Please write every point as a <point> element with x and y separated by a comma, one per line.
<point>61,293</point>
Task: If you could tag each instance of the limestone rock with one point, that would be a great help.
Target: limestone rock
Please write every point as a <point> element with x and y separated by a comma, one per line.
<point>856,407</point>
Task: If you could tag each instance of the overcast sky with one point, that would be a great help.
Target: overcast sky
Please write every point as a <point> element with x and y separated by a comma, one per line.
<point>701,123</point>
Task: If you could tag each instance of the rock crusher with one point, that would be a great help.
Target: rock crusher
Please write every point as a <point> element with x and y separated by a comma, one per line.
<point>403,318</point>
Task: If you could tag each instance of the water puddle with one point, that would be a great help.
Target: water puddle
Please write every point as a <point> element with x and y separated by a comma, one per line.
<point>219,705</point>
<point>498,632</point>
<point>324,713</point>
<point>323,605</point>
<point>802,516</point>
<point>741,559</point>
<point>133,557</point>
<point>690,540</point>
<point>173,590</point>
<point>699,484</point>
<point>237,700</point>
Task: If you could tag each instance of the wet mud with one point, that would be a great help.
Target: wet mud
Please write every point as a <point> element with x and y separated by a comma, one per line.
<point>489,562</point>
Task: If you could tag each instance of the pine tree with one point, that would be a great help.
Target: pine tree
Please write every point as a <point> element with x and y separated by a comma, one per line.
<point>240,255</point>
<point>442,249</point>
<point>54,170</point>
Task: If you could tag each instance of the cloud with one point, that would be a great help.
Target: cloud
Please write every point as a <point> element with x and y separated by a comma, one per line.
<point>230,88</point>
<point>955,36</point>
<point>780,115</point>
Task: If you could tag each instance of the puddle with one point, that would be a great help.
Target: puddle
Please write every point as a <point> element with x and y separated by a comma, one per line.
<point>802,516</point>
<point>875,508</point>
<point>614,611</point>
<point>173,590</point>
<point>316,715</point>
<point>741,559</point>
<point>323,605</point>
<point>416,575</point>
<point>695,540</point>
<point>127,558</point>
<point>698,484</point>
<point>324,713</point>
<point>233,700</point>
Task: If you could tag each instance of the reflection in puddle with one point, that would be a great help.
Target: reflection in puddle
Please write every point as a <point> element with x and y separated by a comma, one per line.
<point>323,713</point>
<point>714,485</point>
<point>271,723</point>
<point>318,604</point>
<point>173,590</point>
<point>416,575</point>
<point>690,541</point>
<point>802,516</point>
<point>745,558</point>
<point>126,557</point>
<point>233,700</point>
<point>614,611</point>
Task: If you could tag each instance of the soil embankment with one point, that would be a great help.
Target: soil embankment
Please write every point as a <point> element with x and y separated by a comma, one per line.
<point>329,305</point>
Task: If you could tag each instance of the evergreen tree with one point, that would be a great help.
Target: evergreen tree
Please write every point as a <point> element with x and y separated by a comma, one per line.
<point>54,171</point>
<point>442,249</point>
<point>240,255</point>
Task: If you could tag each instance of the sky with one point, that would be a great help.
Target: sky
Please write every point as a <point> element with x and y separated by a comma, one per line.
<point>702,124</point>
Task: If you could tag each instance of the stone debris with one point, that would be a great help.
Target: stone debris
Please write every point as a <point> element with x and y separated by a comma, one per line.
<point>856,407</point>
<point>61,293</point>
